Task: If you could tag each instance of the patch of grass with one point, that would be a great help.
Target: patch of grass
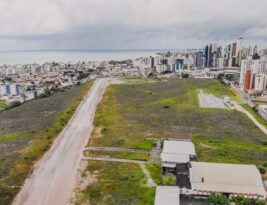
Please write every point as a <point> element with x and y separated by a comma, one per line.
<point>169,180</point>
<point>3,105</point>
<point>118,184</point>
<point>8,137</point>
<point>155,171</point>
<point>119,155</point>
<point>229,151</point>
<point>147,144</point>
<point>24,148</point>
<point>219,90</point>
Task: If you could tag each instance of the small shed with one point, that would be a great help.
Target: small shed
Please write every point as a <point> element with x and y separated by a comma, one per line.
<point>177,152</point>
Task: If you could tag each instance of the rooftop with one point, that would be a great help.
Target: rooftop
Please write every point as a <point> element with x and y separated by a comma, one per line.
<point>226,178</point>
<point>175,158</point>
<point>167,195</point>
<point>182,147</point>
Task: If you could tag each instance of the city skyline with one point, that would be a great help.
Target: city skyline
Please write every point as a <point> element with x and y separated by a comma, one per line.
<point>134,25</point>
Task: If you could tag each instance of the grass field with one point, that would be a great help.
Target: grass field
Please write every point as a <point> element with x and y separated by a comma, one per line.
<point>27,131</point>
<point>131,113</point>
<point>117,183</point>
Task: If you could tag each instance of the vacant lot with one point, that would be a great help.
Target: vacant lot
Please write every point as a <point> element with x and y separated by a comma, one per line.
<point>130,113</point>
<point>117,184</point>
<point>27,131</point>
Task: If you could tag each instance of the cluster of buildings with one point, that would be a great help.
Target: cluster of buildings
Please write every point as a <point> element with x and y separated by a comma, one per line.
<point>212,56</point>
<point>253,74</point>
<point>198,180</point>
<point>26,82</point>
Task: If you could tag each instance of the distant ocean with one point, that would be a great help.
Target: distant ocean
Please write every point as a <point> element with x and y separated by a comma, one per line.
<point>28,57</point>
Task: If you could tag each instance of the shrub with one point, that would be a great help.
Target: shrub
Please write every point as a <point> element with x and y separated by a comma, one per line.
<point>240,200</point>
<point>218,199</point>
<point>262,169</point>
<point>260,202</point>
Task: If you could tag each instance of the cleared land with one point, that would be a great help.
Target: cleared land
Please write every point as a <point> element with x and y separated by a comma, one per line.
<point>27,131</point>
<point>210,101</point>
<point>131,114</point>
<point>117,183</point>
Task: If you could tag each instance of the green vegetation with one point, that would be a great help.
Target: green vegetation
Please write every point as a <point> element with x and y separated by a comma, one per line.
<point>230,151</point>
<point>117,183</point>
<point>147,144</point>
<point>169,180</point>
<point>260,202</point>
<point>25,137</point>
<point>218,199</point>
<point>131,113</point>
<point>119,155</point>
<point>240,200</point>
<point>3,105</point>
<point>155,171</point>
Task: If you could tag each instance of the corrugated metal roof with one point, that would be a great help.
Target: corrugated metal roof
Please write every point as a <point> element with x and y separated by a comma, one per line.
<point>226,178</point>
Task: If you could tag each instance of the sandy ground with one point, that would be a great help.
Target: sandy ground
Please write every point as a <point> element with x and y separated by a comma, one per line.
<point>54,176</point>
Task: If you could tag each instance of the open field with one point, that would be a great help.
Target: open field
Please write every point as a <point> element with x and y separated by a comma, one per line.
<point>117,183</point>
<point>130,113</point>
<point>27,131</point>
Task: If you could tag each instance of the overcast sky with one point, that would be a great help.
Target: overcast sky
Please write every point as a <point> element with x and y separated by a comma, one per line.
<point>129,24</point>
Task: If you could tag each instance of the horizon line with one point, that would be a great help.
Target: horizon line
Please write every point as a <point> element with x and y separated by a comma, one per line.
<point>99,50</point>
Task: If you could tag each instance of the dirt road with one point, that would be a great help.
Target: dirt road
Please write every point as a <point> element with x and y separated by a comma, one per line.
<point>54,176</point>
<point>259,125</point>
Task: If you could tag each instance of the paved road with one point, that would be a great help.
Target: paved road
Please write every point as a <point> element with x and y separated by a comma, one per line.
<point>54,176</point>
<point>210,101</point>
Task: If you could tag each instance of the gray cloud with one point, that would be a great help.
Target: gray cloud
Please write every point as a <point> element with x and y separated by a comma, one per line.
<point>128,24</point>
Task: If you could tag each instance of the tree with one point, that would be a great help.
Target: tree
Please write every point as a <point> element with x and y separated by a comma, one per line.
<point>218,199</point>
<point>240,200</point>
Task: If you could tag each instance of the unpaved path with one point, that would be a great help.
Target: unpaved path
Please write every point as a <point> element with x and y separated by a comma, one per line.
<point>110,159</point>
<point>150,181</point>
<point>115,149</point>
<point>54,176</point>
<point>259,125</point>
